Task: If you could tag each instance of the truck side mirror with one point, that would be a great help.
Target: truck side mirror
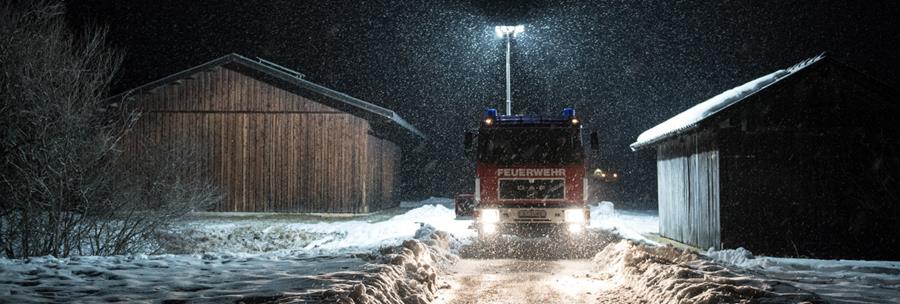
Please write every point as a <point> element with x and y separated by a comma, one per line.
<point>595,141</point>
<point>467,142</point>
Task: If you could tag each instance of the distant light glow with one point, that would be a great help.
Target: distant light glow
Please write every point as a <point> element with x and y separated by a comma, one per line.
<point>488,121</point>
<point>503,30</point>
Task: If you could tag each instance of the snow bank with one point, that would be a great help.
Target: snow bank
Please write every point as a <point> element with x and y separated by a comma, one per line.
<point>321,237</point>
<point>651,274</point>
<point>443,201</point>
<point>403,274</point>
<point>625,223</point>
<point>833,280</point>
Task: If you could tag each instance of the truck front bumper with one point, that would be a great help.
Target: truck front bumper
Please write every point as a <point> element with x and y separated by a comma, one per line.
<point>530,230</point>
<point>532,221</point>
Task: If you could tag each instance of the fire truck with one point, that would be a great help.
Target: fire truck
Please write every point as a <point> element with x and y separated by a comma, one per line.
<point>529,175</point>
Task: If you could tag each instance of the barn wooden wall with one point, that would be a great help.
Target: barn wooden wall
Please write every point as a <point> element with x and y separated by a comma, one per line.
<point>688,181</point>
<point>269,149</point>
<point>383,158</point>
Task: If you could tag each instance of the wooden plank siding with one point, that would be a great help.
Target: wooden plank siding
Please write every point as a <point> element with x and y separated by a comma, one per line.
<point>382,168</point>
<point>270,150</point>
<point>688,182</point>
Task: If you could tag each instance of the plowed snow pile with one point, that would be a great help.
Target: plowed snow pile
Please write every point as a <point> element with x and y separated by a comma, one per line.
<point>645,274</point>
<point>402,274</point>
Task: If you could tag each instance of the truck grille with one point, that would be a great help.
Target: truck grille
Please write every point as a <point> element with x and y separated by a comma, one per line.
<point>532,189</point>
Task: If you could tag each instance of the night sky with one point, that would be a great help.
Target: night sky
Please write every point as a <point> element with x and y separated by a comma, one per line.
<point>625,66</point>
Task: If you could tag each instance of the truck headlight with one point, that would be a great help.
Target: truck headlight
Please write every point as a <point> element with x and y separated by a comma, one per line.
<point>575,228</point>
<point>574,216</point>
<point>490,215</point>
<point>488,229</point>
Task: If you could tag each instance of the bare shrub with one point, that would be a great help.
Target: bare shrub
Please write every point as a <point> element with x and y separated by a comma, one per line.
<point>63,190</point>
<point>164,182</point>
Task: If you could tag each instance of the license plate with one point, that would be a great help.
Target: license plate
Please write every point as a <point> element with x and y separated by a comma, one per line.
<point>532,213</point>
<point>532,189</point>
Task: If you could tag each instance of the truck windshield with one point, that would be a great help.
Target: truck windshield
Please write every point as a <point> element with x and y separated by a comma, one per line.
<point>508,146</point>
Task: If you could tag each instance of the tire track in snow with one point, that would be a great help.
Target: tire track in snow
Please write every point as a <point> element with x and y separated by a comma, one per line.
<point>491,281</point>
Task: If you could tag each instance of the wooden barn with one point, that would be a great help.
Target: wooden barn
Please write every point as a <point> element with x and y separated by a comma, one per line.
<point>800,162</point>
<point>273,141</point>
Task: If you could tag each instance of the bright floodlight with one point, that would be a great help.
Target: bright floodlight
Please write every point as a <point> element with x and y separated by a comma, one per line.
<point>508,32</point>
<point>503,30</point>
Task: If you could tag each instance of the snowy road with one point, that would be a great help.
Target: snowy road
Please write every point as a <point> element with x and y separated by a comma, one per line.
<point>492,281</point>
<point>513,270</point>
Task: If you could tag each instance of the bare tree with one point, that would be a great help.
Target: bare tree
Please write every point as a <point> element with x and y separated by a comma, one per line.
<point>63,189</point>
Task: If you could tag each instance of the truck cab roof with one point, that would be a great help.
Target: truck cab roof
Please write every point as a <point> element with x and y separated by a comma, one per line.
<point>567,119</point>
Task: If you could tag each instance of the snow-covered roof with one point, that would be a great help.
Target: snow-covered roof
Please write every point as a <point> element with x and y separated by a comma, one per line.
<point>689,119</point>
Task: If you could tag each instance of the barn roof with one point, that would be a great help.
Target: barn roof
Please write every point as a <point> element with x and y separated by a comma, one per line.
<point>268,71</point>
<point>689,119</point>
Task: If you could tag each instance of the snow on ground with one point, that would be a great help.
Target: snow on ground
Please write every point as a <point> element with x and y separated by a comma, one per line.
<point>317,236</point>
<point>443,201</point>
<point>152,279</point>
<point>638,273</point>
<point>252,258</point>
<point>394,256</point>
<point>628,224</point>
<point>403,274</point>
<point>838,281</point>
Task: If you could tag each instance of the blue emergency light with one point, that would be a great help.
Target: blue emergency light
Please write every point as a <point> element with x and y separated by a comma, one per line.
<point>491,113</point>
<point>568,113</point>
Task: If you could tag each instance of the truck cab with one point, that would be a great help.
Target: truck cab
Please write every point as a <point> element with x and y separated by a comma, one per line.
<point>529,175</point>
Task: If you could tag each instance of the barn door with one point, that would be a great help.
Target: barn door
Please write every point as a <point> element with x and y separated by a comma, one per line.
<point>688,182</point>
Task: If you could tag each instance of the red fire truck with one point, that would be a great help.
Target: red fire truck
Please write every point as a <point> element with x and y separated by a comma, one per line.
<point>530,175</point>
